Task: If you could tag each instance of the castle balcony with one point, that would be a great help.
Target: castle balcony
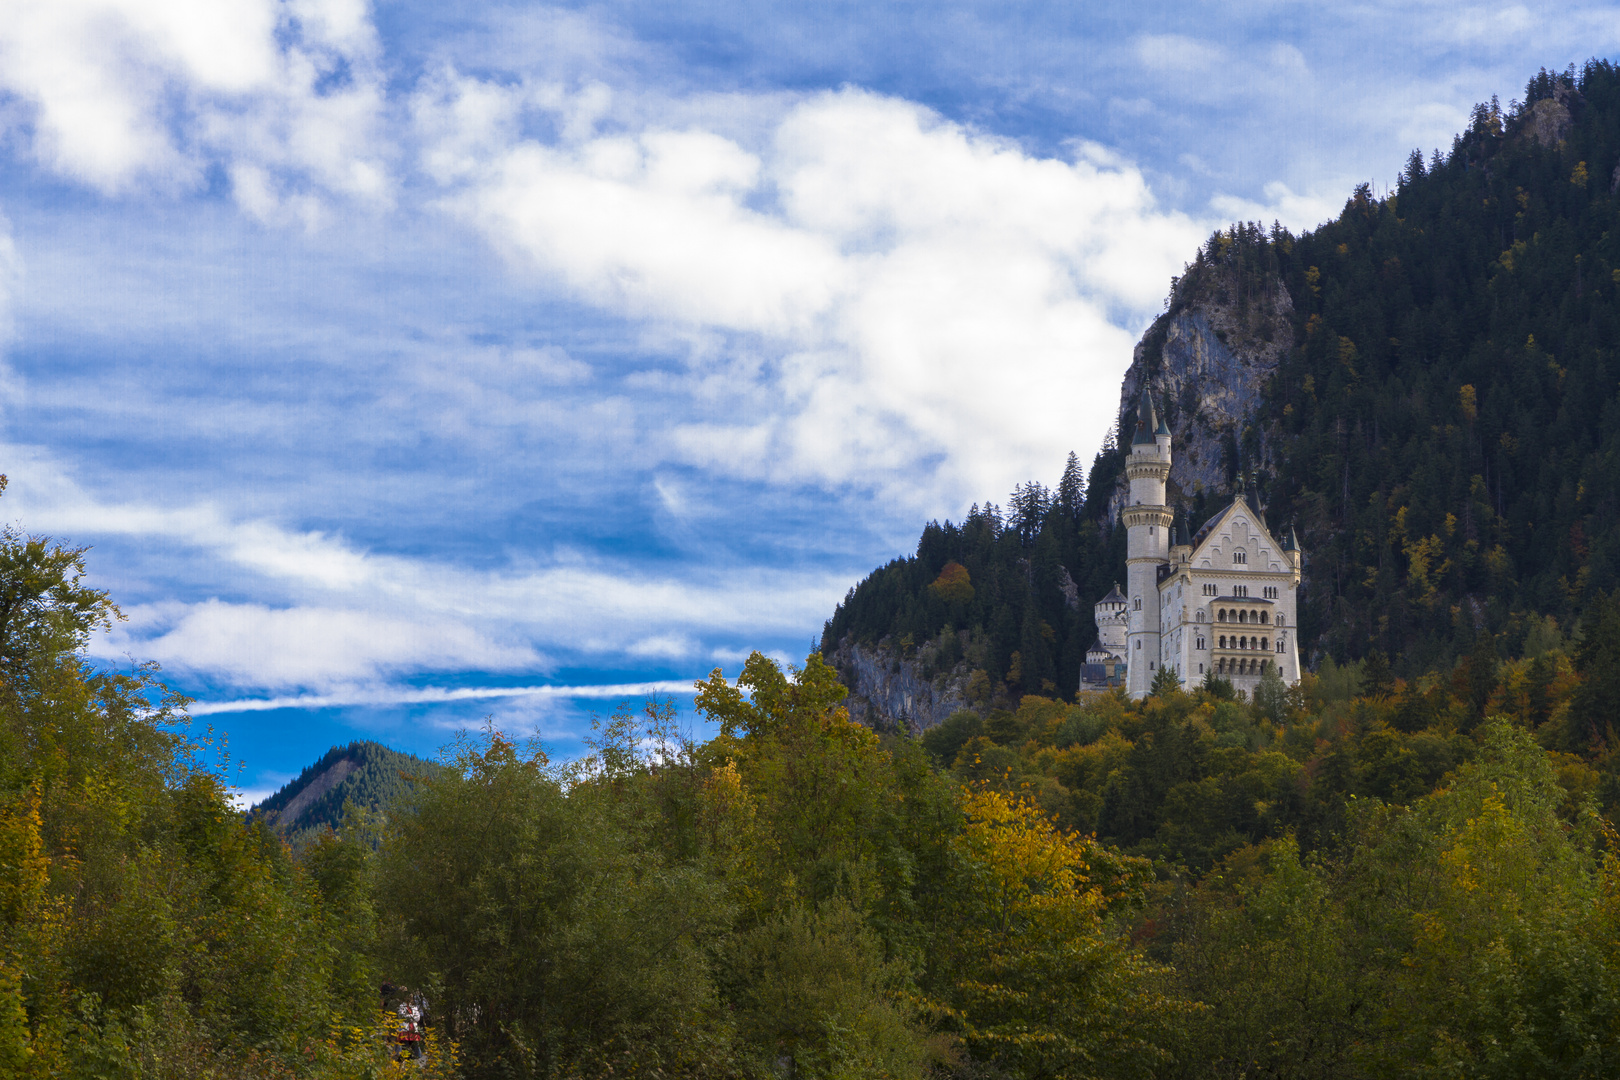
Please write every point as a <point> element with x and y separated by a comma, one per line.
<point>1134,516</point>
<point>1234,611</point>
<point>1240,662</point>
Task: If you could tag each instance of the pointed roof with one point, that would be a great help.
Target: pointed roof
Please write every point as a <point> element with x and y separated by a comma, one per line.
<point>1289,541</point>
<point>1147,419</point>
<point>1114,597</point>
<point>1208,528</point>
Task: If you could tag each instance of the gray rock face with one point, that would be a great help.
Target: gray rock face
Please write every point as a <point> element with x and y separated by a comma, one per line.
<point>1548,122</point>
<point>1208,370</point>
<point>888,692</point>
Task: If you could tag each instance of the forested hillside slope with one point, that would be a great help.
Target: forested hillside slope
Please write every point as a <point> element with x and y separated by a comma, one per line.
<point>1426,386</point>
<point>366,774</point>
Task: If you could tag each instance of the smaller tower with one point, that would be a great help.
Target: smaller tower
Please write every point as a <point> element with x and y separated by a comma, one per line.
<point>1147,542</point>
<point>1110,615</point>
<point>1290,549</point>
<point>1180,542</point>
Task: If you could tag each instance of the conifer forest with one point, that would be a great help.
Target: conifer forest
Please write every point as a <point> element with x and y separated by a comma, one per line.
<point>1406,865</point>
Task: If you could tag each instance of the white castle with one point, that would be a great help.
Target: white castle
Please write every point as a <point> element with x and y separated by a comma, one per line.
<point>1221,601</point>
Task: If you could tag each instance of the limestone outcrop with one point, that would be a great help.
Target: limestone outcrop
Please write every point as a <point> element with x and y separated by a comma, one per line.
<point>888,693</point>
<point>1208,360</point>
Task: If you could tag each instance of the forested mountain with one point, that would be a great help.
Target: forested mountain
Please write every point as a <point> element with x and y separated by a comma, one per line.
<point>366,774</point>
<point>1426,386</point>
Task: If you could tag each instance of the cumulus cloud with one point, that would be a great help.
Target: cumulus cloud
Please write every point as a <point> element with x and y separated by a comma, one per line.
<point>285,94</point>
<point>925,297</point>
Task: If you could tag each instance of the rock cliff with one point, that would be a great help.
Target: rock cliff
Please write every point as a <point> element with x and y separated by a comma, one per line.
<point>1207,360</point>
<point>888,693</point>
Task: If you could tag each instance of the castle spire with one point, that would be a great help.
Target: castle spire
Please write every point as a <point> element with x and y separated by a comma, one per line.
<point>1147,420</point>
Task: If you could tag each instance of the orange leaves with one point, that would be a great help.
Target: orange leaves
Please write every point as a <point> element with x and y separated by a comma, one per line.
<point>953,584</point>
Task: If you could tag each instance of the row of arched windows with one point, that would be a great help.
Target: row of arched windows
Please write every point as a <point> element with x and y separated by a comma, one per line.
<point>1245,643</point>
<point>1241,667</point>
<point>1238,616</point>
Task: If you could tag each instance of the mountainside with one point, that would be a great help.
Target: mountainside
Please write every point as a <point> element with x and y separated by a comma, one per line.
<point>1426,387</point>
<point>366,773</point>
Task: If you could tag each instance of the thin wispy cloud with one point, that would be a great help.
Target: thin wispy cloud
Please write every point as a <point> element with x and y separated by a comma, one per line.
<point>444,695</point>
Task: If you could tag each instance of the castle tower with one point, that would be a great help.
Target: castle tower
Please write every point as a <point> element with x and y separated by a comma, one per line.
<point>1147,522</point>
<point>1110,613</point>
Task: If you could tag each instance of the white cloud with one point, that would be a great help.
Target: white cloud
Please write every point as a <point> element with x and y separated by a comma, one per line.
<point>285,93</point>
<point>1176,53</point>
<point>11,275</point>
<point>1296,212</point>
<point>924,293</point>
<point>655,226</point>
<point>331,615</point>
<point>664,646</point>
<point>255,645</point>
<point>435,695</point>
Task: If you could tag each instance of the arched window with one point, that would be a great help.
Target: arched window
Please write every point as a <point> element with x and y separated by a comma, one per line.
<point>1239,558</point>
<point>1221,616</point>
<point>1243,616</point>
<point>1200,616</point>
<point>1279,618</point>
<point>1265,645</point>
<point>1138,603</point>
<point>1223,641</point>
<point>1264,617</point>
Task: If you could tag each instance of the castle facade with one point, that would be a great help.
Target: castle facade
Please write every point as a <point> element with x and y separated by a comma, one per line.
<point>1220,601</point>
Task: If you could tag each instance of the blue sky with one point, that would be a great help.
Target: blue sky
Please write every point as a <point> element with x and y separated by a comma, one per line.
<point>406,363</point>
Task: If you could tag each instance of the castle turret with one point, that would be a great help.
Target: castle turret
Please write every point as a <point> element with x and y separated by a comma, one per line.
<point>1290,549</point>
<point>1148,522</point>
<point>1110,613</point>
<point>1180,541</point>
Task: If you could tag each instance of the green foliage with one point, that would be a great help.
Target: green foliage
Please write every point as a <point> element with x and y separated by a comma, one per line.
<point>1463,936</point>
<point>1165,681</point>
<point>945,739</point>
<point>816,989</point>
<point>541,930</point>
<point>146,929</point>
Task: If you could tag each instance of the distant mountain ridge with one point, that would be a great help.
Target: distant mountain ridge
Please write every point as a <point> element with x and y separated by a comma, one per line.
<point>365,773</point>
<point>1427,387</point>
